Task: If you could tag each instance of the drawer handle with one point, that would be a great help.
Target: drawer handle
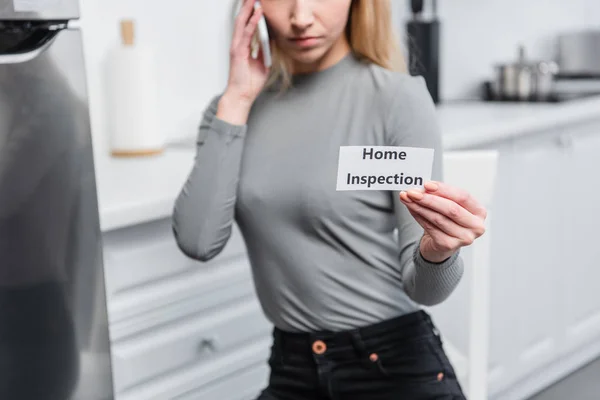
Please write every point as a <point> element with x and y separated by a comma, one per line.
<point>207,345</point>
<point>564,141</point>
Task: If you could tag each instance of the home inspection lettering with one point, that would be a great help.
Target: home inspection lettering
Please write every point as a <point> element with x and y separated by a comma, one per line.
<point>382,179</point>
<point>369,153</point>
<point>383,167</point>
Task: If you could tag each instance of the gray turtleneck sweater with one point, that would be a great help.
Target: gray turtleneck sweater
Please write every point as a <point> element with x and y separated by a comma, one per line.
<point>321,259</point>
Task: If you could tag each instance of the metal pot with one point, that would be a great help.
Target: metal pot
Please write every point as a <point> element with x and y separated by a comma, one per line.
<point>545,74</point>
<point>514,80</point>
<point>524,80</point>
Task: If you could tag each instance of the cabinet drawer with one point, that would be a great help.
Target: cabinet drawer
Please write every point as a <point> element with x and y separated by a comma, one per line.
<point>190,341</point>
<point>164,304</point>
<point>146,278</point>
<point>143,254</point>
<point>195,376</point>
<point>245,385</point>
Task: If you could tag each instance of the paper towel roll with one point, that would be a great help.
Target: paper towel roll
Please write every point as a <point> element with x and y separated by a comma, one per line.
<point>132,99</point>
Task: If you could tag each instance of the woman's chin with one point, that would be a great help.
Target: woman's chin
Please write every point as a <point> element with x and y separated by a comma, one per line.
<point>308,57</point>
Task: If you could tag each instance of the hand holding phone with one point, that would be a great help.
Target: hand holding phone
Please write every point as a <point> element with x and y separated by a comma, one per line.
<point>247,74</point>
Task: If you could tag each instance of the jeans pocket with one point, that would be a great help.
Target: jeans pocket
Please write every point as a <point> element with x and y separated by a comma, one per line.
<point>447,374</point>
<point>413,362</point>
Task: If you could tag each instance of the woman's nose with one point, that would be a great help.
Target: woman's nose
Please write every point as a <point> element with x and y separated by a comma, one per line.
<point>302,14</point>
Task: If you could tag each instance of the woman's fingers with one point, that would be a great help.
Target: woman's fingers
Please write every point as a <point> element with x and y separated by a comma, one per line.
<point>249,29</point>
<point>260,61</point>
<point>448,209</point>
<point>438,239</point>
<point>435,221</point>
<point>457,195</point>
<point>428,226</point>
<point>241,21</point>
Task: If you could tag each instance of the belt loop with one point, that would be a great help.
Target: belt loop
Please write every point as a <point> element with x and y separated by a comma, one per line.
<point>432,326</point>
<point>358,343</point>
<point>359,346</point>
<point>427,318</point>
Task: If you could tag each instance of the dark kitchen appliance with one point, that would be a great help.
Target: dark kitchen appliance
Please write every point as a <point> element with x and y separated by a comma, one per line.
<point>54,338</point>
<point>578,54</point>
<point>555,97</point>
<point>423,37</point>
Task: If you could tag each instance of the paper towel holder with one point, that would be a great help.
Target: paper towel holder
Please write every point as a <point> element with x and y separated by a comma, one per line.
<point>127,32</point>
<point>131,138</point>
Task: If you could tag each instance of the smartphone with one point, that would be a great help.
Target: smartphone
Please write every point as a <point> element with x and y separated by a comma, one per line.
<point>260,39</point>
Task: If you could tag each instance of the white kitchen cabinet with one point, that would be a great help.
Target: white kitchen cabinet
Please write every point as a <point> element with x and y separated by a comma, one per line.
<point>215,378</point>
<point>526,263</point>
<point>534,256</point>
<point>580,274</point>
<point>545,306</point>
<point>504,299</point>
<point>181,328</point>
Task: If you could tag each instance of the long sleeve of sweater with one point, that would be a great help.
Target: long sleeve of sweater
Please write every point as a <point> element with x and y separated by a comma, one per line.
<point>203,214</point>
<point>413,123</point>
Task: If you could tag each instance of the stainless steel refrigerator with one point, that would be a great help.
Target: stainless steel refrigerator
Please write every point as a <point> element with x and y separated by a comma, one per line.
<point>54,340</point>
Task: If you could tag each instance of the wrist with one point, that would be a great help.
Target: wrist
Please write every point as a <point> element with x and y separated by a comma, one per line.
<point>234,108</point>
<point>434,256</point>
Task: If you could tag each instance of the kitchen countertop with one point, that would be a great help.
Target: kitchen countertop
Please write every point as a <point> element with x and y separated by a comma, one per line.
<point>137,190</point>
<point>473,124</point>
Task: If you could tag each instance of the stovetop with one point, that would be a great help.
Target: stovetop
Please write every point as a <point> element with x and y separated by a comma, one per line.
<point>565,90</point>
<point>559,97</point>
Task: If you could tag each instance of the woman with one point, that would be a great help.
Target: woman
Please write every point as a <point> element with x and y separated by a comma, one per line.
<point>342,293</point>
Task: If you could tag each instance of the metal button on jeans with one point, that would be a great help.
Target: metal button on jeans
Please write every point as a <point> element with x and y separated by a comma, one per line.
<point>319,347</point>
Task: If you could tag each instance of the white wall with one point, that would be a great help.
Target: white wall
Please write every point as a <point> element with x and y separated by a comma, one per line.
<point>480,33</point>
<point>191,39</point>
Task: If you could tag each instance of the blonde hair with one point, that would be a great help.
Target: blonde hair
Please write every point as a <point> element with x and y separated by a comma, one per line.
<point>371,36</point>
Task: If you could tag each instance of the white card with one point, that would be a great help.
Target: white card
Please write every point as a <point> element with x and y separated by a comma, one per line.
<point>383,167</point>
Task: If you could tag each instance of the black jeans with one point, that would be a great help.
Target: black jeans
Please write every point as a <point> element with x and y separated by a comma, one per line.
<point>398,359</point>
